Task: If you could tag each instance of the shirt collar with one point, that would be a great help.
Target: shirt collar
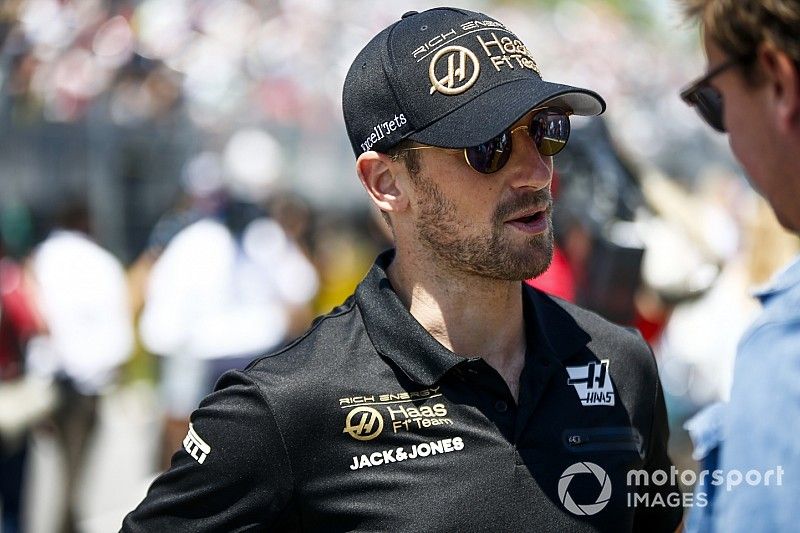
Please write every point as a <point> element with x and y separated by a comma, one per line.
<point>781,282</point>
<point>397,335</point>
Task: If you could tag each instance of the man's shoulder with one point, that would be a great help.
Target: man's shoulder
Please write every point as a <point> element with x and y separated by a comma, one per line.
<point>335,351</point>
<point>773,337</point>
<point>623,346</point>
<point>780,317</point>
<point>321,344</point>
<point>600,330</point>
<point>768,360</point>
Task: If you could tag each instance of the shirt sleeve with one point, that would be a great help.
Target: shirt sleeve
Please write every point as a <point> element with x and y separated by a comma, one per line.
<point>760,452</point>
<point>232,473</point>
<point>665,511</point>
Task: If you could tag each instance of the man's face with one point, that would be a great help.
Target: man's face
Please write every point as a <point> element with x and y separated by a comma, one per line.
<point>472,223</point>
<point>753,134</point>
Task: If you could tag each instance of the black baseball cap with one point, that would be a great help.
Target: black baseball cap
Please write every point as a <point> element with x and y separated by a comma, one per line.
<point>447,77</point>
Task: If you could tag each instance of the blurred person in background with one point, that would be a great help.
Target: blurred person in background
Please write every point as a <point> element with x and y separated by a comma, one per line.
<point>19,322</point>
<point>751,90</point>
<point>81,293</point>
<point>226,288</point>
<point>345,248</point>
<point>322,435</point>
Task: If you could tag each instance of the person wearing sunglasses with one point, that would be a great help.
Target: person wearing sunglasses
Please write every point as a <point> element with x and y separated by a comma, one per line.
<point>445,394</point>
<point>751,91</point>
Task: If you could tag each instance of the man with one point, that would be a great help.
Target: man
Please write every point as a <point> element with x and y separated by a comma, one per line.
<point>752,91</point>
<point>443,395</point>
<point>81,293</point>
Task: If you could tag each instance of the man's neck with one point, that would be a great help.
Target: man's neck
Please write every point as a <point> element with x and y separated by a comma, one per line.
<point>468,314</point>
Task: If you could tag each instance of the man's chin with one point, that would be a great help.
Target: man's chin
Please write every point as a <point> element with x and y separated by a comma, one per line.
<point>535,271</point>
<point>523,268</point>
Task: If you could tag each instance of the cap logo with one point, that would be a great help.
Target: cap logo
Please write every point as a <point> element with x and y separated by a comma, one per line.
<point>508,53</point>
<point>457,80</point>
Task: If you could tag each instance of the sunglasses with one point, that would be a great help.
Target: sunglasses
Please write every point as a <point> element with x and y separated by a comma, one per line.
<point>707,100</point>
<point>549,128</point>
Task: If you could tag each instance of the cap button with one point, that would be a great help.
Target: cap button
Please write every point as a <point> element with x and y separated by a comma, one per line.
<point>409,13</point>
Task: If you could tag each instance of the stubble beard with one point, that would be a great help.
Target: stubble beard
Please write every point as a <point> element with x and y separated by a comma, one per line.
<point>496,256</point>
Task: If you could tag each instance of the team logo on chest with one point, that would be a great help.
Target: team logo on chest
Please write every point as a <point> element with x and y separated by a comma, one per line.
<point>592,383</point>
<point>364,423</point>
<point>371,415</point>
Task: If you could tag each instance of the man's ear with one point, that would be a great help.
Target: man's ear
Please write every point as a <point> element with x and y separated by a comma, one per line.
<point>380,177</point>
<point>782,75</point>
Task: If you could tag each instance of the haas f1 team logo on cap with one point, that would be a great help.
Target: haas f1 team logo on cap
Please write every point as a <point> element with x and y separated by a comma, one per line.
<point>460,67</point>
<point>592,383</point>
<point>363,423</point>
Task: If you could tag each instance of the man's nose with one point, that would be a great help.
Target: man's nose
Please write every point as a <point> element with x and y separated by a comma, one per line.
<point>527,167</point>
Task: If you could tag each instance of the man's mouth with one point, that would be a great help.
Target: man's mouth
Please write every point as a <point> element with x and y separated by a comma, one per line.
<point>529,215</point>
<point>531,221</point>
<point>527,219</point>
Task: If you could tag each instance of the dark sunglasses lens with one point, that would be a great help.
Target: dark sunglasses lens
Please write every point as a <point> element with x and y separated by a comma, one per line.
<point>708,103</point>
<point>490,156</point>
<point>550,129</point>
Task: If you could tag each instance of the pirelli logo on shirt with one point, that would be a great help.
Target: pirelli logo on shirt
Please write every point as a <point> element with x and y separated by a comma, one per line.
<point>195,446</point>
<point>370,416</point>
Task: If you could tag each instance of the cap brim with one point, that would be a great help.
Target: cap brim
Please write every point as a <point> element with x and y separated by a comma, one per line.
<point>489,114</point>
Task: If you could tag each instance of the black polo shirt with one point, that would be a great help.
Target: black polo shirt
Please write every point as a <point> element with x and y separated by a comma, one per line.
<point>367,423</point>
